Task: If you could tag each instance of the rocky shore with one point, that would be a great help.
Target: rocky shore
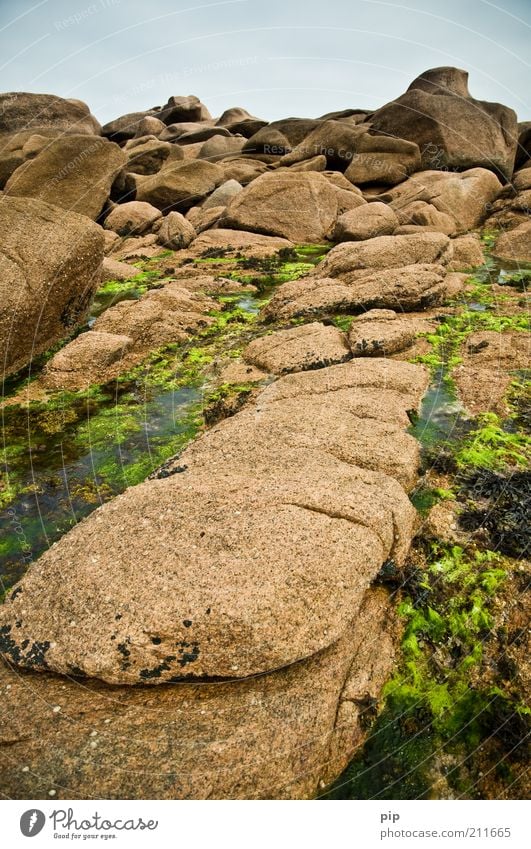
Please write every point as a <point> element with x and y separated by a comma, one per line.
<point>346,297</point>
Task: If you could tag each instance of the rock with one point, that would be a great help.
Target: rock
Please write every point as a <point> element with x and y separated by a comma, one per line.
<point>465,197</point>
<point>438,113</point>
<point>253,244</point>
<point>311,715</point>
<point>113,269</point>
<point>522,179</point>
<point>467,253</point>
<point>365,222</point>
<point>233,116</point>
<point>382,159</point>
<point>204,219</point>
<point>223,195</point>
<point>243,170</point>
<point>196,605</point>
<point>218,147</point>
<point>50,267</point>
<point>426,215</point>
<point>74,172</point>
<point>132,219</point>
<point>150,126</point>
<point>523,150</point>
<point>299,207</point>
<point>310,346</point>
<point>280,137</point>
<point>515,245</point>
<point>187,108</point>
<point>316,163</point>
<point>409,288</point>
<point>384,252</point>
<point>135,247</point>
<point>203,134</point>
<point>126,127</point>
<point>334,140</point>
<point>85,360</point>
<point>379,333</point>
<point>179,186</point>
<point>176,232</point>
<point>160,317</point>
<point>22,111</point>
<point>489,361</point>
<point>150,155</point>
<point>173,132</point>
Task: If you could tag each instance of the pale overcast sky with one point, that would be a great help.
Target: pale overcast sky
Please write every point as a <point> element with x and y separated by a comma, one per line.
<point>275,58</point>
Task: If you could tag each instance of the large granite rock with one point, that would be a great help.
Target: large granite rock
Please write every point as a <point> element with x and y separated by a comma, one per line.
<point>74,172</point>
<point>408,288</point>
<point>302,348</point>
<point>50,267</point>
<point>22,112</point>
<point>466,198</point>
<point>451,129</point>
<point>166,581</point>
<point>301,207</point>
<point>180,185</point>
<point>515,245</point>
<point>285,735</point>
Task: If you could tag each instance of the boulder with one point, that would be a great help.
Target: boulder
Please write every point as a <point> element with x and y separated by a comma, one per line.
<point>126,126</point>
<point>150,126</point>
<point>348,258</point>
<point>280,736</point>
<point>365,222</point>
<point>382,159</point>
<point>218,147</point>
<point>187,108</point>
<point>253,244</point>
<point>233,116</point>
<point>335,140</point>
<point>50,267</point>
<point>248,127</point>
<point>203,134</point>
<point>113,269</point>
<point>301,207</point>
<point>421,214</point>
<point>174,132</point>
<point>22,111</point>
<point>466,197</point>
<point>223,195</point>
<point>203,219</point>
<point>523,150</point>
<point>179,186</point>
<point>172,570</point>
<point>176,232</point>
<point>280,137</point>
<point>379,333</point>
<point>467,253</point>
<point>85,360</point>
<point>132,219</point>
<point>75,172</point>
<point>310,346</point>
<point>408,288</point>
<point>316,163</point>
<point>148,155</point>
<point>451,129</point>
<point>514,246</point>
<point>243,170</point>
<point>161,316</point>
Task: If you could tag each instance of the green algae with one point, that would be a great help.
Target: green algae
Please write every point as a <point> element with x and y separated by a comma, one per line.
<point>432,709</point>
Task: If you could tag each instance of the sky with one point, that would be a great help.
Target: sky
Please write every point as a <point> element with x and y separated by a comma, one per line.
<point>275,58</point>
